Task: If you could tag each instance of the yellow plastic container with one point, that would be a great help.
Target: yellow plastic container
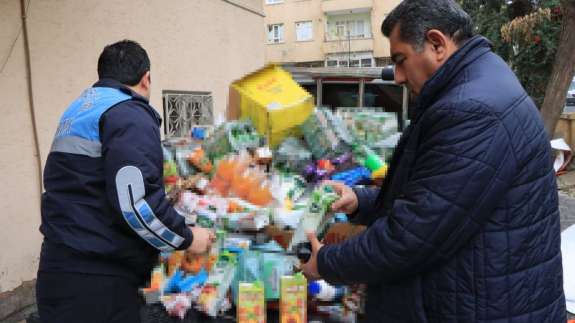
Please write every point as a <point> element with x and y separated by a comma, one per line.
<point>273,101</point>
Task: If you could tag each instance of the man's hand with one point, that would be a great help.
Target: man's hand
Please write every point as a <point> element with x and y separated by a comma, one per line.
<point>310,269</point>
<point>347,202</point>
<point>202,241</point>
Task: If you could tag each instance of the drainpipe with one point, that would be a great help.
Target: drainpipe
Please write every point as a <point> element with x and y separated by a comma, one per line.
<point>23,9</point>
<point>360,101</point>
<point>319,92</point>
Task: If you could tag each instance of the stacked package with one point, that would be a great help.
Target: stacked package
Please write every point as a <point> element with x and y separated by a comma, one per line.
<point>326,134</point>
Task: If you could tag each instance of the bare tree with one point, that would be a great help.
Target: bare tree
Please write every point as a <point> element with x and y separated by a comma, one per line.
<point>563,70</point>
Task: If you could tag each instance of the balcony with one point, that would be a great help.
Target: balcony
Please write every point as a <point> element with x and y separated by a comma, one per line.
<point>351,45</point>
<point>345,6</point>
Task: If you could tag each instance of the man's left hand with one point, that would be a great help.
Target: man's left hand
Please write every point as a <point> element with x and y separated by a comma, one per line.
<point>310,269</point>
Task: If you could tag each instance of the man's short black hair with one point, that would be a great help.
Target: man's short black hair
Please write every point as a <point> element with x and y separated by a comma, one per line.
<point>416,17</point>
<point>125,61</point>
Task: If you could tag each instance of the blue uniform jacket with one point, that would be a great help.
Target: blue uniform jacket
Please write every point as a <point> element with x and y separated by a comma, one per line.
<point>104,210</point>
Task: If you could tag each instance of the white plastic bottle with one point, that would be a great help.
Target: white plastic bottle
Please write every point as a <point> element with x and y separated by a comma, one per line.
<point>325,292</point>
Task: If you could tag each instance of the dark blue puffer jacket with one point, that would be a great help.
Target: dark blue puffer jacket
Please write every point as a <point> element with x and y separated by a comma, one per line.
<point>466,225</point>
<point>105,209</point>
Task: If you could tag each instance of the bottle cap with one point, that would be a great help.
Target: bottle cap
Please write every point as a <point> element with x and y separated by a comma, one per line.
<point>313,288</point>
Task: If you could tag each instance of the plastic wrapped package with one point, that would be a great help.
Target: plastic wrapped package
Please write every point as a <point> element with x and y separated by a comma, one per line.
<point>200,161</point>
<point>181,157</point>
<point>373,127</point>
<point>318,206</point>
<point>219,282</point>
<point>292,155</point>
<point>326,134</point>
<point>177,304</point>
<point>232,136</point>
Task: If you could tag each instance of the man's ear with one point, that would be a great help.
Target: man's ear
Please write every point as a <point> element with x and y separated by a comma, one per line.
<point>146,80</point>
<point>438,42</point>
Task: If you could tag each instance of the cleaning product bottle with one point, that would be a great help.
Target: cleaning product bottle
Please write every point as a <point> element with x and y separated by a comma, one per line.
<point>370,160</point>
<point>325,292</point>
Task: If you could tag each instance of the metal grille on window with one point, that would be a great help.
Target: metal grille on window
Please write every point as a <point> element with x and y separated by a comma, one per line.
<point>184,110</point>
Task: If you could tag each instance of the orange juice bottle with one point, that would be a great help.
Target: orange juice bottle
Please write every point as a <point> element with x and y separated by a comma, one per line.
<point>226,168</point>
<point>198,159</point>
<point>220,185</point>
<point>261,194</point>
<point>241,184</point>
<point>174,261</point>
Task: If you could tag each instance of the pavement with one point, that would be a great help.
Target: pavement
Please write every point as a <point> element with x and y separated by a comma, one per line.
<point>566,185</point>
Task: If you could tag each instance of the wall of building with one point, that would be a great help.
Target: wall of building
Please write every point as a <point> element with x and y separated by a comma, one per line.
<point>19,192</point>
<point>200,45</point>
<point>289,13</point>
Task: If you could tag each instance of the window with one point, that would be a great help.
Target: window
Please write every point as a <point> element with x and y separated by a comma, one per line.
<point>357,29</point>
<point>183,110</point>
<point>304,30</point>
<point>353,59</point>
<point>366,62</point>
<point>274,1</point>
<point>275,33</point>
<point>341,28</point>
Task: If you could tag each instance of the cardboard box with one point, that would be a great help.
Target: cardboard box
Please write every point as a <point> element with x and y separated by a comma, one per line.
<point>293,299</point>
<point>272,100</point>
<point>251,303</point>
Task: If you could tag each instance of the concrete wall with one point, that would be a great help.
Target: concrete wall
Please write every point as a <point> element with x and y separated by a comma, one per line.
<point>19,192</point>
<point>199,45</point>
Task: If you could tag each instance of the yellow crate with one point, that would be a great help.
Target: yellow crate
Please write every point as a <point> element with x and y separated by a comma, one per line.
<point>273,101</point>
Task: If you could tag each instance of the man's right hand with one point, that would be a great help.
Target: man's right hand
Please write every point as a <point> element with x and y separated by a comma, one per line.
<point>202,240</point>
<point>347,202</point>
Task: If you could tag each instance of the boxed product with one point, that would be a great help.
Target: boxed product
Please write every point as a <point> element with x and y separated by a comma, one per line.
<point>293,299</point>
<point>251,306</point>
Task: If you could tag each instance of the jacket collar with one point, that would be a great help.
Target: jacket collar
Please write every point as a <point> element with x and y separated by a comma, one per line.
<point>111,83</point>
<point>441,79</point>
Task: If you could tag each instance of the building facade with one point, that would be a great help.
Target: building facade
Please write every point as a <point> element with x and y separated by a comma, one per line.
<point>197,48</point>
<point>330,33</point>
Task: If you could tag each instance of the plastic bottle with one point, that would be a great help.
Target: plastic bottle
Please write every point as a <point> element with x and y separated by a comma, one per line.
<point>260,194</point>
<point>325,292</point>
<point>226,168</point>
<point>370,160</point>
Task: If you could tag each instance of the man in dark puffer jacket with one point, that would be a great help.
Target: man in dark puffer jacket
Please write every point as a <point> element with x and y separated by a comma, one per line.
<point>466,225</point>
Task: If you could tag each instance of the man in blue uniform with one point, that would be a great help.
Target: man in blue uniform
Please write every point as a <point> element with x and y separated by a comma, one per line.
<point>105,216</point>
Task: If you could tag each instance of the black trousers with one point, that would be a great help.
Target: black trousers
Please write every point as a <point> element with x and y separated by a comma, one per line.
<point>86,298</point>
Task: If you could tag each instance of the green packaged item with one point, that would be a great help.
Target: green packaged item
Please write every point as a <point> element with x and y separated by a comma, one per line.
<point>232,136</point>
<point>326,134</point>
<point>292,156</point>
<point>318,206</point>
<point>273,267</point>
<point>373,127</point>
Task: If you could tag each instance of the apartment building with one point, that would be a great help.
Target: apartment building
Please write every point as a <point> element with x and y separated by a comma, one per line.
<point>330,33</point>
